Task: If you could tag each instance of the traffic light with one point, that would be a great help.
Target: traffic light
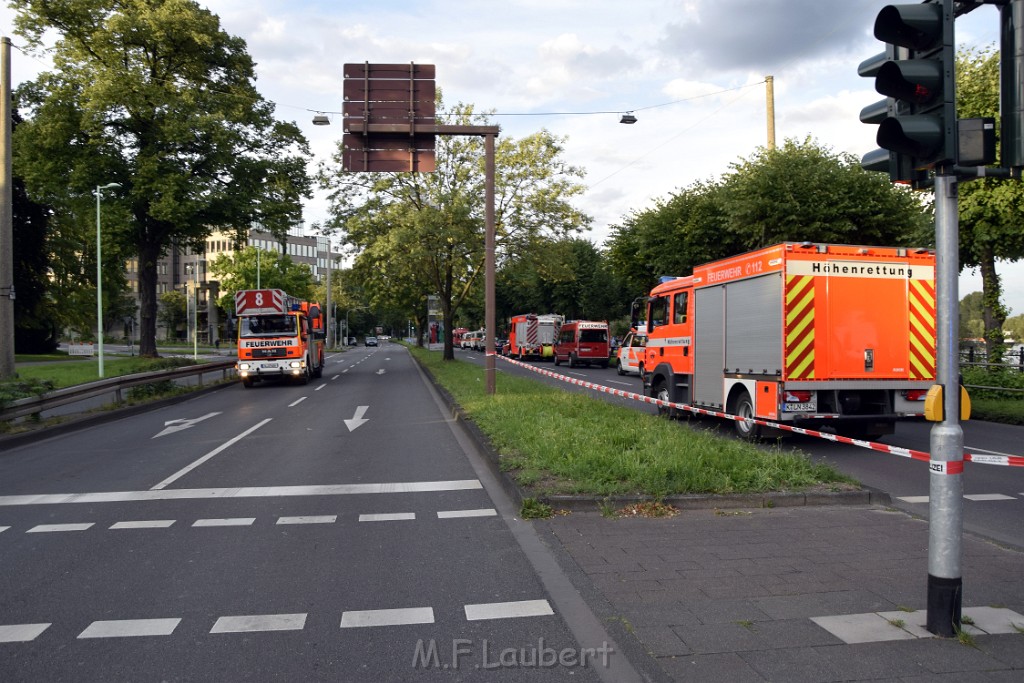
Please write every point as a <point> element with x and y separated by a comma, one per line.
<point>917,121</point>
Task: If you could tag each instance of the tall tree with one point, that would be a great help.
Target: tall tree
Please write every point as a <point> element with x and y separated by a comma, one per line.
<point>153,95</point>
<point>990,209</point>
<point>433,223</point>
<point>797,192</point>
<point>271,269</point>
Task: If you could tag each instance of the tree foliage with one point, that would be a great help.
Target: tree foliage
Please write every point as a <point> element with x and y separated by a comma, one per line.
<point>420,234</point>
<point>243,269</point>
<point>797,192</point>
<point>990,208</point>
<point>153,95</point>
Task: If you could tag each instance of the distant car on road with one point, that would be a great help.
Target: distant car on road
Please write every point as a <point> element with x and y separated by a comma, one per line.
<point>370,341</point>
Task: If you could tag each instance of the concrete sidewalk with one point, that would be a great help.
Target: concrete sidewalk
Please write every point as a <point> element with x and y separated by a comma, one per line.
<point>814,594</point>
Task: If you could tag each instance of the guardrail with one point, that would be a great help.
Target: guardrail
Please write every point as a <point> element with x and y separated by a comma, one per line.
<point>35,405</point>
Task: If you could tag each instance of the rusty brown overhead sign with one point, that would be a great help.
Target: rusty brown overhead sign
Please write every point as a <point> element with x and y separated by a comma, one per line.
<point>389,119</point>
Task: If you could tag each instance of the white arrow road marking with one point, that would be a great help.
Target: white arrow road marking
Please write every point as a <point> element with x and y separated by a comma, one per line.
<point>381,371</point>
<point>178,425</point>
<point>357,419</point>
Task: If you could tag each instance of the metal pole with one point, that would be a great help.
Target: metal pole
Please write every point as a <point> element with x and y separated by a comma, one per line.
<point>770,94</point>
<point>489,275</point>
<point>195,311</point>
<point>327,302</point>
<point>1011,80</point>
<point>99,283</point>
<point>7,368</point>
<point>946,486</point>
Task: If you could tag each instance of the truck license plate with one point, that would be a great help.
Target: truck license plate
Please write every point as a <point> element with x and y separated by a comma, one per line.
<point>800,407</point>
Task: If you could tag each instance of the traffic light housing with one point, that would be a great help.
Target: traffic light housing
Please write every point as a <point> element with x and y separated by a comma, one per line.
<point>917,120</point>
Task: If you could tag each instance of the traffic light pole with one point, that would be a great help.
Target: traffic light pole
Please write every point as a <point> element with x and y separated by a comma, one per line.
<point>945,500</point>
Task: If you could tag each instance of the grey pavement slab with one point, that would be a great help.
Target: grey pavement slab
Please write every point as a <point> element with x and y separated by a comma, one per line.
<point>817,594</point>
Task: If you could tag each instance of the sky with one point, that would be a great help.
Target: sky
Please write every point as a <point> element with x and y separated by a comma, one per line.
<point>691,71</point>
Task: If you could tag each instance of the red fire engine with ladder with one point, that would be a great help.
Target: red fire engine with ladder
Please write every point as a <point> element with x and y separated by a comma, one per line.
<point>805,334</point>
<point>278,336</point>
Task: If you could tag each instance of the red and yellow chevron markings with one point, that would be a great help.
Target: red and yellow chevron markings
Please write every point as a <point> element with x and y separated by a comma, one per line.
<point>922,329</point>
<point>800,326</point>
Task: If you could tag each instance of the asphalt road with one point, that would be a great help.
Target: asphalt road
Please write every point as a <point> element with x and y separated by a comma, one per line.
<point>993,505</point>
<point>342,530</point>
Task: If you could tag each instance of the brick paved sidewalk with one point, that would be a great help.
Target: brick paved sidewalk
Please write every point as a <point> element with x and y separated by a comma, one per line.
<point>731,595</point>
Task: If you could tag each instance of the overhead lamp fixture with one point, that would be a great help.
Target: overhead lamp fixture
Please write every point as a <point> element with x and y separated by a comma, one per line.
<point>321,120</point>
<point>628,117</point>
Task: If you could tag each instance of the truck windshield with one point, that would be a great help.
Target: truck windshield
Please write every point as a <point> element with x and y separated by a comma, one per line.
<point>268,326</point>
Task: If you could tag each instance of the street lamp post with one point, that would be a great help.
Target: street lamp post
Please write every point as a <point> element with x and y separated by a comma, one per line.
<point>99,272</point>
<point>194,301</point>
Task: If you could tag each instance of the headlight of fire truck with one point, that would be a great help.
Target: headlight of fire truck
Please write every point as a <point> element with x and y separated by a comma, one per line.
<point>243,369</point>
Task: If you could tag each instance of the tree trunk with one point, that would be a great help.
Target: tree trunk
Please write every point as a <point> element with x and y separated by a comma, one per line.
<point>149,256</point>
<point>994,313</point>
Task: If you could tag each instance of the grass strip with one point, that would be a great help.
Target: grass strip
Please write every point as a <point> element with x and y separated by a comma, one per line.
<point>561,442</point>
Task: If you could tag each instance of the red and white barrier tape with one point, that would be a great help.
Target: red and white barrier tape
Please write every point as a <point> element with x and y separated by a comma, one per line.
<point>937,466</point>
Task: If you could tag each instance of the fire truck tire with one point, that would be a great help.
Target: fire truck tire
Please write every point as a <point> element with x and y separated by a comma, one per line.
<point>247,383</point>
<point>557,362</point>
<point>618,368</point>
<point>603,365</point>
<point>744,407</point>
<point>572,361</point>
<point>661,393</point>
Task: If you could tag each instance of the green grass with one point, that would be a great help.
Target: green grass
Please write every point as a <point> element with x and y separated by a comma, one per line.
<point>80,371</point>
<point>558,441</point>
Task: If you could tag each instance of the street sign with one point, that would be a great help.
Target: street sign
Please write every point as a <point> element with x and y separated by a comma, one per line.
<point>389,117</point>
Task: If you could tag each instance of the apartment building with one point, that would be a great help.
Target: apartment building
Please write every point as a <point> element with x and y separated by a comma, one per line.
<point>188,271</point>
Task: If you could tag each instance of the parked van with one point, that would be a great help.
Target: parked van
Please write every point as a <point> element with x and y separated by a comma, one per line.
<point>582,341</point>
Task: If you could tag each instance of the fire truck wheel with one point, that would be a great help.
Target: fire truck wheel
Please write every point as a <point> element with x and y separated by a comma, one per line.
<point>557,362</point>
<point>618,368</point>
<point>744,407</point>
<point>247,383</point>
<point>662,394</point>
<point>572,361</point>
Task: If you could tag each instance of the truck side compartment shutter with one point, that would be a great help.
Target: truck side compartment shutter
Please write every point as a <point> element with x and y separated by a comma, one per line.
<point>753,325</point>
<point>709,350</point>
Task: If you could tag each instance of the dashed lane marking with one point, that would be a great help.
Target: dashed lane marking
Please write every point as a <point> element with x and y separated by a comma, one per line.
<point>453,514</point>
<point>506,610</point>
<point>229,521</point>
<point>260,622</point>
<point>388,617</point>
<point>130,628</point>
<point>388,517</point>
<point>4,528</point>
<point>48,528</point>
<point>308,519</point>
<point>241,492</point>
<point>144,524</point>
<point>21,633</point>
<point>249,521</point>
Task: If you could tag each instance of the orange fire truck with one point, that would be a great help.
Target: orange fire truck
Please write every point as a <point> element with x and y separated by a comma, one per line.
<point>800,333</point>
<point>278,336</point>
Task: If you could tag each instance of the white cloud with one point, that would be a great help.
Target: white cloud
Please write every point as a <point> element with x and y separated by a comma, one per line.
<point>543,56</point>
